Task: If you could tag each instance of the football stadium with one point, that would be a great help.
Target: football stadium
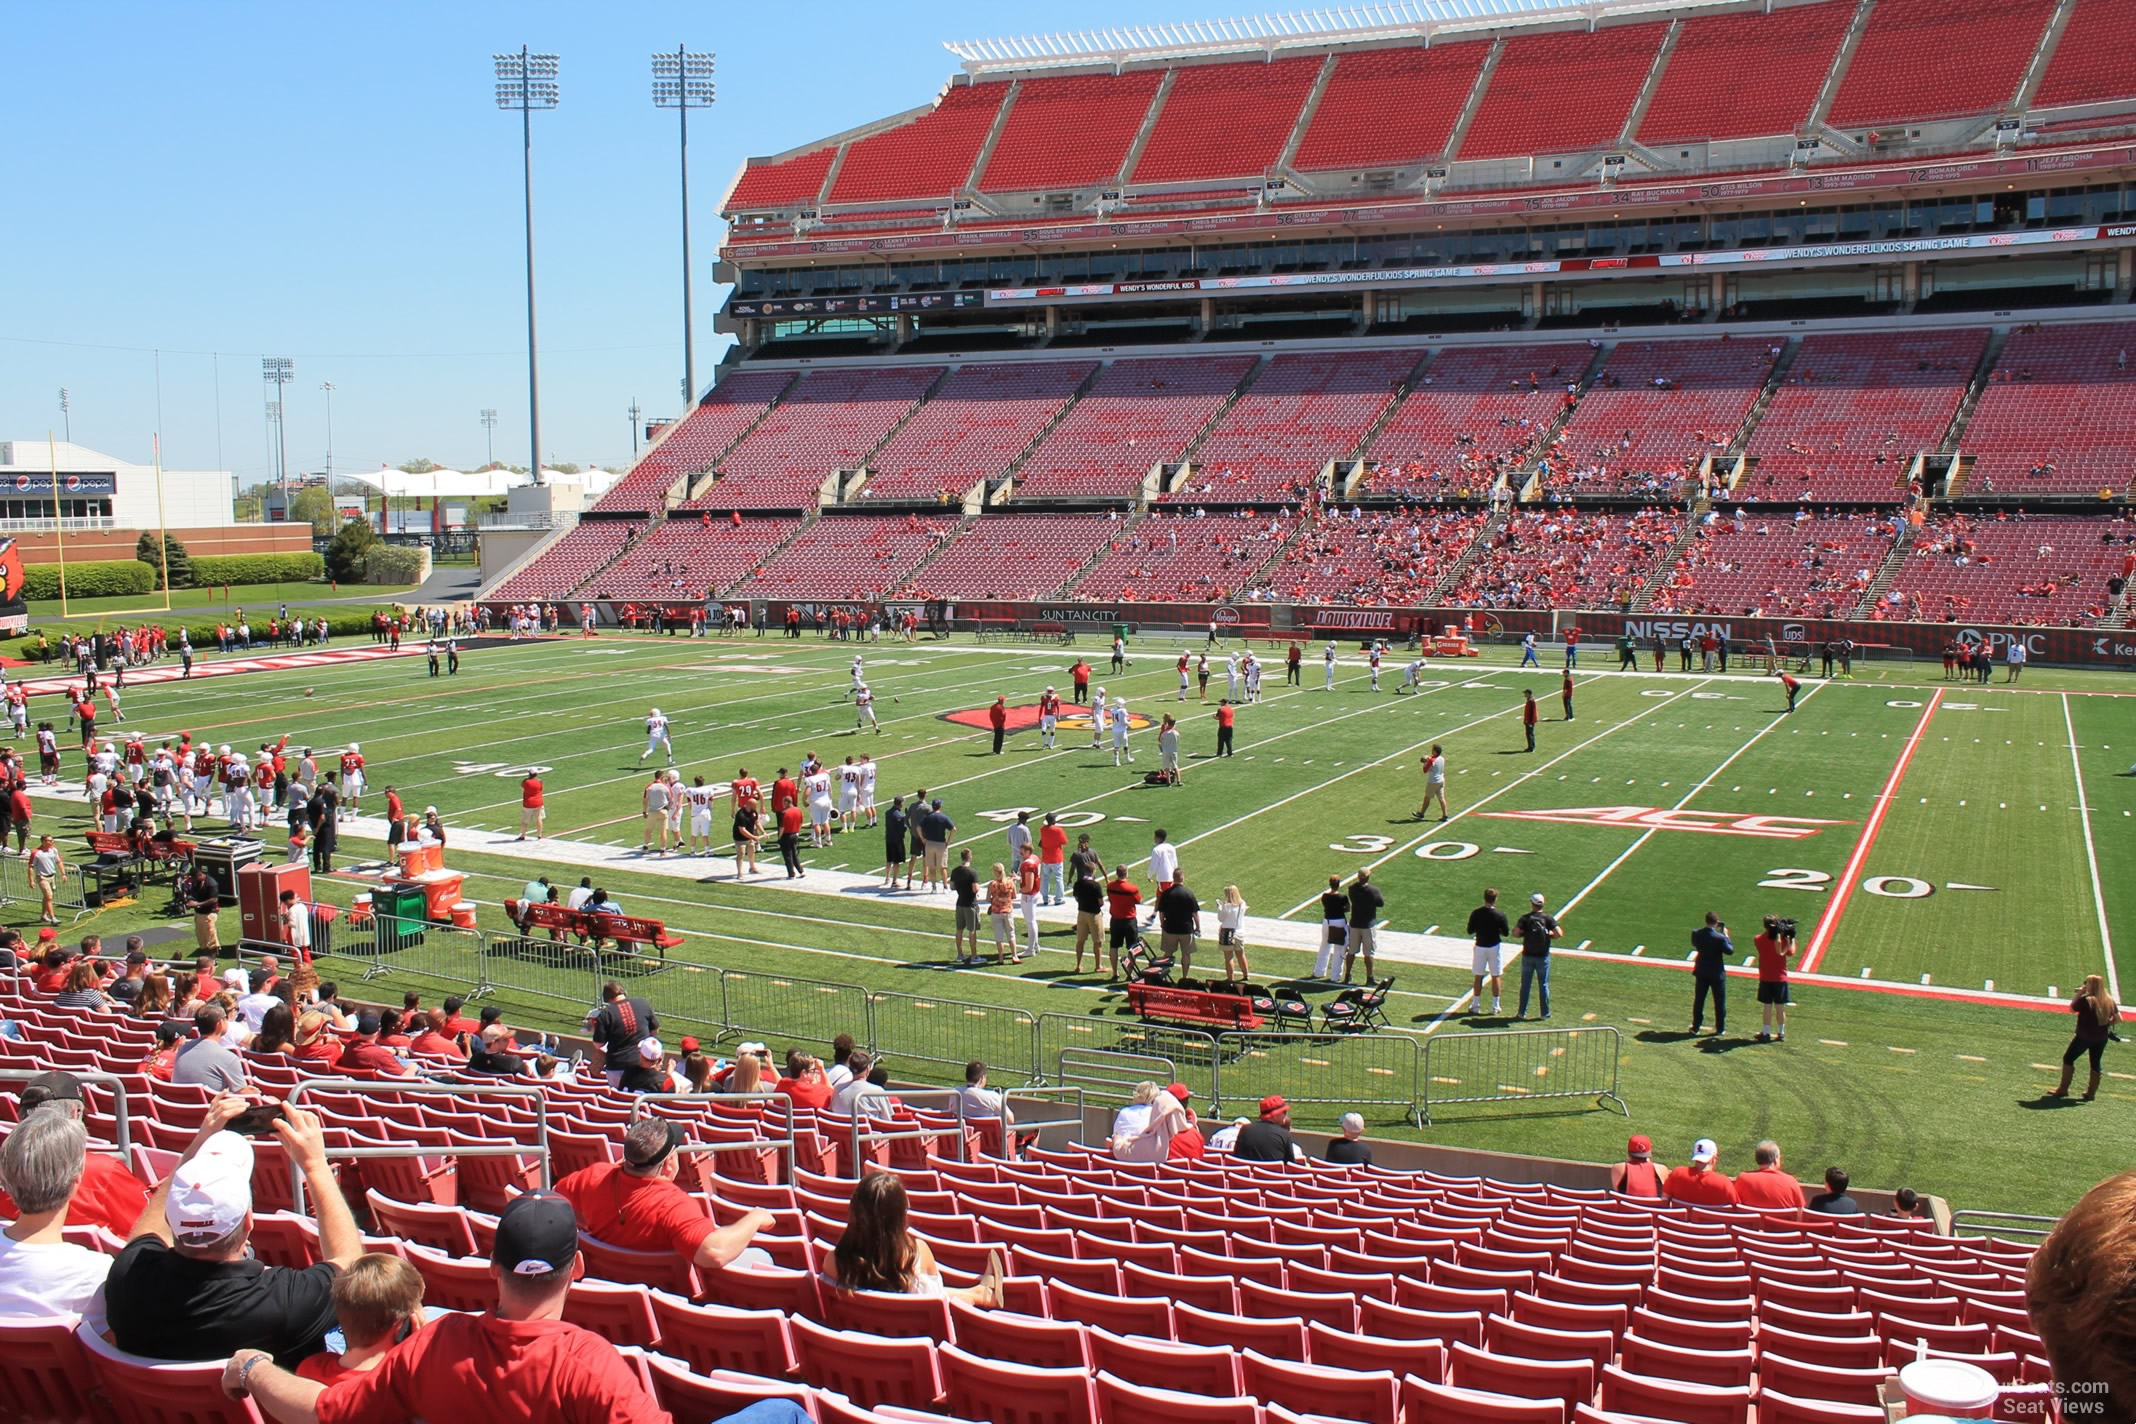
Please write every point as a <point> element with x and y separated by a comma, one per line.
<point>1543,588</point>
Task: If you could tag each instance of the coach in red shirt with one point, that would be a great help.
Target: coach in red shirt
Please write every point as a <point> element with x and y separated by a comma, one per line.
<point>784,793</point>
<point>530,806</point>
<point>522,1363</point>
<point>1701,1183</point>
<point>1227,717</point>
<point>636,1205</point>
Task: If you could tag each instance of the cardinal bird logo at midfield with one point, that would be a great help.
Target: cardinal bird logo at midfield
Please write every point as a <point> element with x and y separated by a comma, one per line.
<point>12,574</point>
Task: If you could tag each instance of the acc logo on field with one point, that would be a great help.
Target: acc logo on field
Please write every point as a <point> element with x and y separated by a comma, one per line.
<point>1712,823</point>
<point>1024,717</point>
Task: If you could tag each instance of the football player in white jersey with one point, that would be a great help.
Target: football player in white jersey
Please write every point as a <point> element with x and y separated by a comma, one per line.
<point>859,682</point>
<point>1327,675</point>
<point>816,789</point>
<point>700,798</point>
<point>864,709</point>
<point>1119,733</point>
<point>848,794</point>
<point>867,788</point>
<point>656,737</point>
<point>1098,721</point>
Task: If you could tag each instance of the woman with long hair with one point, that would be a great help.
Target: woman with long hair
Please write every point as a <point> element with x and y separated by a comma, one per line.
<point>748,1076</point>
<point>278,1031</point>
<point>153,1003</point>
<point>879,1252</point>
<point>2097,1013</point>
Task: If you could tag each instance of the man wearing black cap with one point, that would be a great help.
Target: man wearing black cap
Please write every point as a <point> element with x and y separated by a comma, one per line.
<point>108,1195</point>
<point>635,1204</point>
<point>519,1364</point>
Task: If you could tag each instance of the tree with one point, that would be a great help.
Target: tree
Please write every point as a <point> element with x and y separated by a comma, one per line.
<point>345,557</point>
<point>313,505</point>
<point>418,466</point>
<point>172,553</point>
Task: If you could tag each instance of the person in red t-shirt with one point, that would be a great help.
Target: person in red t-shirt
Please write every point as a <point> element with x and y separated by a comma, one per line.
<point>784,793</point>
<point>1793,686</point>
<point>435,1041</point>
<point>1528,714</point>
<point>396,819</point>
<point>530,806</point>
<point>1767,1187</point>
<point>1565,693</point>
<point>107,1195</point>
<point>790,839</point>
<point>1638,1175</point>
<point>378,1302</point>
<point>1122,897</point>
<point>365,1053</point>
<point>997,717</point>
<point>1227,717</point>
<point>805,1081</point>
<point>635,1204</point>
<point>519,1364</point>
<point>1774,951</point>
<point>1053,860</point>
<point>1702,1183</point>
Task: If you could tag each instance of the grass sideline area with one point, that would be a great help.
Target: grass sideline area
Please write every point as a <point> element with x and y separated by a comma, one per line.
<point>1942,823</point>
<point>45,614</point>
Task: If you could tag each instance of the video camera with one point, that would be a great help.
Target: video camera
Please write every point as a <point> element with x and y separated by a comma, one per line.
<point>1783,928</point>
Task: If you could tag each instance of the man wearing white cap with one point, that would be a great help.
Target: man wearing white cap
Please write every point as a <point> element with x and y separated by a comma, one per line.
<point>187,1288</point>
<point>650,1073</point>
<point>1701,1182</point>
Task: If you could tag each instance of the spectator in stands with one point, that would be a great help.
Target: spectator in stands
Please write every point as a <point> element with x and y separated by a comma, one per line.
<point>1638,1175</point>
<point>1225,1138</point>
<point>804,1081</point>
<point>620,1023</point>
<point>1701,1182</point>
<point>860,1097</point>
<point>648,1072</point>
<point>84,980</point>
<point>1129,1122</point>
<point>254,1006</point>
<point>1269,1139</point>
<point>1351,1149</point>
<point>1906,1205</point>
<point>208,1060</point>
<point>1767,1186</point>
<point>839,1071</point>
<point>108,1195</point>
<point>1833,1200</point>
<point>187,1287</point>
<point>2080,1288</point>
<point>1168,1118</point>
<point>41,1273</point>
<point>520,1364</point>
<point>378,1302</point>
<point>363,1053</point>
<point>277,1033</point>
<point>125,991</point>
<point>878,1251</point>
<point>493,1052</point>
<point>979,1102</point>
<point>157,1064</point>
<point>435,1040</point>
<point>636,1204</point>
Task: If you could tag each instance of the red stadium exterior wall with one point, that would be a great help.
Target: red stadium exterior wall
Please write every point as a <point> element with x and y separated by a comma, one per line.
<point>2078,647</point>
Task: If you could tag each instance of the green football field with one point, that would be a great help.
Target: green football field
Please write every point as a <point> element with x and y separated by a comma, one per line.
<point>1956,854</point>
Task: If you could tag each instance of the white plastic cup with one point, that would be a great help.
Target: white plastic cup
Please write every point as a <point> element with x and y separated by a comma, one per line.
<point>1947,1389</point>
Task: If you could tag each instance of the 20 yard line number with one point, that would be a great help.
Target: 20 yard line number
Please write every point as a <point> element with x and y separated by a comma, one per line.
<point>1891,887</point>
<point>1379,845</point>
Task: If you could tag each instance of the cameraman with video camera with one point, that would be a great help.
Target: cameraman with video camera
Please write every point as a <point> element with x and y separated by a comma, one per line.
<point>1775,948</point>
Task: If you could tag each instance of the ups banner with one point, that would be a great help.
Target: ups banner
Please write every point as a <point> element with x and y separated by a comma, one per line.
<point>2085,647</point>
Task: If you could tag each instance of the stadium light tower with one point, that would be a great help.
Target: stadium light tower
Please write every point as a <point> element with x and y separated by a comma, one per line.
<point>279,371</point>
<point>328,387</point>
<point>489,430</point>
<point>526,82</point>
<point>66,414</point>
<point>682,81</point>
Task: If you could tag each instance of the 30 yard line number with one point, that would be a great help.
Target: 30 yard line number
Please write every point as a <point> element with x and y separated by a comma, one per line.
<point>1891,887</point>
<point>1433,850</point>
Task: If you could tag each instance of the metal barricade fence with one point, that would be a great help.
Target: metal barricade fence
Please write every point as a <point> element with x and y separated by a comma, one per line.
<point>368,1087</point>
<point>69,895</point>
<point>417,954</point>
<point>782,1104</point>
<point>1108,1075</point>
<point>122,1115</point>
<point>1190,1054</point>
<point>1520,1065</point>
<point>1354,1070</point>
<point>953,1032</point>
<point>558,972</point>
<point>810,1011</point>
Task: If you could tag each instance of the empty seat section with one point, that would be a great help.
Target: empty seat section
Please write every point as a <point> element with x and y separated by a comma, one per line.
<point>848,556</point>
<point>1474,413</point>
<point>1754,563</point>
<point>1012,556</point>
<point>1562,93</point>
<point>1383,556</point>
<point>2003,570</point>
<point>2058,414</point>
<point>2091,60</point>
<point>1654,411</point>
<point>1567,558</point>
<point>1226,120</point>
<point>931,157</point>
<point>782,183</point>
<point>698,441</point>
<point>830,421</point>
<point>1932,59</point>
<point>688,558</point>
<point>974,427</point>
<point>1741,76</point>
<point>1388,107</point>
<point>1138,412</point>
<point>1299,413</point>
<point>1069,132</point>
<point>567,563</point>
<point>1853,410</point>
<point>1176,556</point>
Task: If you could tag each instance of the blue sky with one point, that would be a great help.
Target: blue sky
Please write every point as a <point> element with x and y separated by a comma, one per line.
<point>335,183</point>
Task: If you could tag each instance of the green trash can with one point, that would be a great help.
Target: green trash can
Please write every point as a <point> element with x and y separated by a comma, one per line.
<point>399,912</point>
<point>1123,630</point>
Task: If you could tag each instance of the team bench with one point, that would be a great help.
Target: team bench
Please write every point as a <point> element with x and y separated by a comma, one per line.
<point>625,931</point>
<point>1171,1004</point>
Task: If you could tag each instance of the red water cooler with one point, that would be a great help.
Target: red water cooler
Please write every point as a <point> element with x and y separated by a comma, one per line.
<point>259,897</point>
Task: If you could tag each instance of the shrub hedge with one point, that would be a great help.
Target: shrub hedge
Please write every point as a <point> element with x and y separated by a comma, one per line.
<point>215,570</point>
<point>109,578</point>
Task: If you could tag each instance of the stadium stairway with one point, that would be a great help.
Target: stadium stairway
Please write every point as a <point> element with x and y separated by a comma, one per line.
<point>1477,548</point>
<point>1667,565</point>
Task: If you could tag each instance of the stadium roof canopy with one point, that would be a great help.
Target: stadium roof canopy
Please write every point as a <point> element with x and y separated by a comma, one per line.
<point>1405,19</point>
<point>467,484</point>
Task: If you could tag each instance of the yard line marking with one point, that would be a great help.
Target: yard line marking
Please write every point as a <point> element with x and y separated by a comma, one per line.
<point>1688,796</point>
<point>1407,846</point>
<point>1971,1058</point>
<point>1834,1042</point>
<point>1821,938</point>
<point>2091,855</point>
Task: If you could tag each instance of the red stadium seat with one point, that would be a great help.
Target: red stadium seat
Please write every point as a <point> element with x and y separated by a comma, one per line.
<point>1196,1369</point>
<point>879,1369</point>
<point>1122,1401</point>
<point>1425,1359</point>
<point>1628,1393</point>
<point>1350,1394</point>
<point>44,1372</point>
<point>1282,1339</point>
<point>1023,1339</point>
<point>1014,1394</point>
<point>1569,1381</point>
<point>144,1391</point>
<point>1449,1404</point>
<point>718,1337</point>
